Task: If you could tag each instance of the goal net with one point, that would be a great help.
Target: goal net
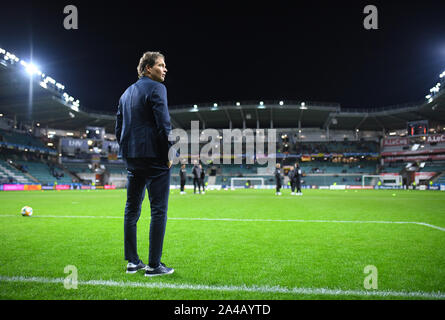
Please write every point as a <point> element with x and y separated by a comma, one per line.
<point>246,182</point>
<point>371,180</point>
<point>385,180</point>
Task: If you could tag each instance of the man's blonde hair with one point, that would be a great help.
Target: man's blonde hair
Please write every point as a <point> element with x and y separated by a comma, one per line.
<point>148,59</point>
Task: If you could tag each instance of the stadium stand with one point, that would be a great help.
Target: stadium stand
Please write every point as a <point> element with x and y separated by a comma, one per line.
<point>60,141</point>
<point>24,140</point>
<point>10,174</point>
<point>46,173</point>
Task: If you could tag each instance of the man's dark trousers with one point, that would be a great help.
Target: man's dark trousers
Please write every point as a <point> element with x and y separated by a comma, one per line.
<point>293,185</point>
<point>196,183</point>
<point>155,177</point>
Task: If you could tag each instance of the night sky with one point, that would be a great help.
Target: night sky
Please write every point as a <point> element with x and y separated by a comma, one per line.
<point>223,51</point>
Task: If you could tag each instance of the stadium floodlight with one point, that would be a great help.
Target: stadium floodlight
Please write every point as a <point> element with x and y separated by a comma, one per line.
<point>215,104</point>
<point>261,105</point>
<point>32,69</point>
<point>238,104</point>
<point>12,57</point>
<point>50,80</point>
<point>281,103</point>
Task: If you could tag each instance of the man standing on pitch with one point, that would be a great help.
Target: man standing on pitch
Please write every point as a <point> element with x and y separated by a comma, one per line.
<point>142,130</point>
<point>202,178</point>
<point>295,180</point>
<point>183,177</point>
<point>196,177</point>
<point>278,179</point>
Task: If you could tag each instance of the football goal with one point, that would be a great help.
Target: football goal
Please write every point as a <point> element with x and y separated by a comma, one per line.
<point>386,180</point>
<point>246,182</point>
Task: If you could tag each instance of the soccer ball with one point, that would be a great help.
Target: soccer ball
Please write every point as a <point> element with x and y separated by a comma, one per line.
<point>26,211</point>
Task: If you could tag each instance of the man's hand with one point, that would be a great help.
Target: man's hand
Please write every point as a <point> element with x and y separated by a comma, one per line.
<point>169,164</point>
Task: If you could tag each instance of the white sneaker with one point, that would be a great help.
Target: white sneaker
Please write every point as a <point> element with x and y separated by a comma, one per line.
<point>292,193</point>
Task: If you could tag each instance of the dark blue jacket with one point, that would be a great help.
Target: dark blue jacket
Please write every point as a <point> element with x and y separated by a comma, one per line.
<point>143,122</point>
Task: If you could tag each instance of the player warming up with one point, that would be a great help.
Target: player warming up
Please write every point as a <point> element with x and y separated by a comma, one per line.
<point>295,180</point>
<point>278,179</point>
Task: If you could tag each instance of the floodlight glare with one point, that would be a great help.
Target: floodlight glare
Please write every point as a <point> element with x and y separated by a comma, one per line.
<point>32,69</point>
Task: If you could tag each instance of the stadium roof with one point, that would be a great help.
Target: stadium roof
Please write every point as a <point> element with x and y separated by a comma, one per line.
<point>292,114</point>
<point>52,107</point>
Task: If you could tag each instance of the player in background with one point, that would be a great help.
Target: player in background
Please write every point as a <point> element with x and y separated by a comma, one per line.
<point>196,178</point>
<point>202,179</point>
<point>183,177</point>
<point>295,179</point>
<point>278,179</point>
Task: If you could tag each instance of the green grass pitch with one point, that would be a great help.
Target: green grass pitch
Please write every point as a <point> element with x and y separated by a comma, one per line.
<point>243,244</point>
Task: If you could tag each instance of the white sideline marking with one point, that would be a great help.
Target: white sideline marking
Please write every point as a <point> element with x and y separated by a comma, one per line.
<point>243,288</point>
<point>239,220</point>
